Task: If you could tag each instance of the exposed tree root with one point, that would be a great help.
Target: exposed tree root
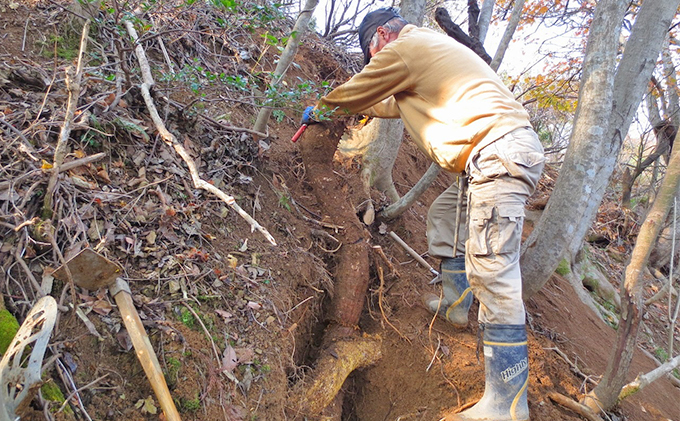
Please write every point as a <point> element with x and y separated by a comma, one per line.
<point>311,397</point>
<point>342,351</point>
<point>351,276</point>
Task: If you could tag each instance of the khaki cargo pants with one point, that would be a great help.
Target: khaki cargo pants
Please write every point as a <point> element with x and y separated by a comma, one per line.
<point>501,177</point>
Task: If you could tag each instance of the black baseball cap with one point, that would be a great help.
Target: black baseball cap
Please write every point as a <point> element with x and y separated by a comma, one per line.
<point>370,24</point>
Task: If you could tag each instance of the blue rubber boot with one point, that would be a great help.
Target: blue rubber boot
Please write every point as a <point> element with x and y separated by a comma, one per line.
<point>506,363</point>
<point>455,304</point>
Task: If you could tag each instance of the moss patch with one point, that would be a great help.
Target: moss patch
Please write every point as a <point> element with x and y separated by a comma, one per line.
<point>563,268</point>
<point>51,392</point>
<point>8,328</point>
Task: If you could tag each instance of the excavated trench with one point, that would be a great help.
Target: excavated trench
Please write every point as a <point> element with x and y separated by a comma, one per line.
<point>342,347</point>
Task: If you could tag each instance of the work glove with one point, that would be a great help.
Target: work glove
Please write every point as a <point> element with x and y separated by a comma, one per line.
<point>308,116</point>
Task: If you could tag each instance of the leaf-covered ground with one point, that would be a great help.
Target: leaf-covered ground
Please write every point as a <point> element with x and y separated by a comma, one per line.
<point>235,321</point>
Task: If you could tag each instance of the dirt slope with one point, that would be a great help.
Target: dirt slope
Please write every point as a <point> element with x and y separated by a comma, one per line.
<point>235,321</point>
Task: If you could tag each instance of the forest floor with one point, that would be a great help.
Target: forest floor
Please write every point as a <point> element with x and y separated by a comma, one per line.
<point>236,321</point>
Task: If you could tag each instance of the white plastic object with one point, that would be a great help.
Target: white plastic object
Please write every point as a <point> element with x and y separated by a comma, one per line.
<point>18,373</point>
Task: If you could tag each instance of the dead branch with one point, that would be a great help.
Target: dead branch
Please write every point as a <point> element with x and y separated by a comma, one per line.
<point>73,86</point>
<point>572,405</point>
<point>652,357</point>
<point>82,161</point>
<point>215,122</point>
<point>171,140</point>
<point>662,291</point>
<point>643,380</point>
<point>573,365</point>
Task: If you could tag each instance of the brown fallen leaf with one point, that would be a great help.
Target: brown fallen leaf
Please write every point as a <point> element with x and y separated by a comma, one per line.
<point>124,340</point>
<point>225,315</point>
<point>104,176</point>
<point>229,359</point>
<point>245,355</point>
<point>102,307</point>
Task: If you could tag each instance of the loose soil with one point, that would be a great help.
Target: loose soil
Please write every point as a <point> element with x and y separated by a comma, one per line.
<point>263,310</point>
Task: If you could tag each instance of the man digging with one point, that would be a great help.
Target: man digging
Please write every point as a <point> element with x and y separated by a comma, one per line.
<point>460,114</point>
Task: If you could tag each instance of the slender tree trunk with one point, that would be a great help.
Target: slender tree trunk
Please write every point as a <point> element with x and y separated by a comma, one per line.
<point>413,11</point>
<point>671,76</point>
<point>400,206</point>
<point>485,18</point>
<point>286,59</point>
<point>389,133</point>
<point>606,393</point>
<point>607,103</point>
<point>507,35</point>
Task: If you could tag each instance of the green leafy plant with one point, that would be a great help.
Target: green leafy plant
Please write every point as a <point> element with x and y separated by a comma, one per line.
<point>661,354</point>
<point>284,201</point>
<point>190,405</point>
<point>187,318</point>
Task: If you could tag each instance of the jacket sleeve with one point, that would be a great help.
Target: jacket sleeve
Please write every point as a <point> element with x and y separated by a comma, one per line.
<point>370,91</point>
<point>386,108</point>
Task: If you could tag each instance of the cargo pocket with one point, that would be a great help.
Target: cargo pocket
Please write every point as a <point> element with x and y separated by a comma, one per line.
<point>517,162</point>
<point>510,221</point>
<point>478,240</point>
<point>523,156</point>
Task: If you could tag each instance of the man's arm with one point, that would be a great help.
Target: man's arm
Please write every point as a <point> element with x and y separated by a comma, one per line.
<point>370,91</point>
<point>386,108</point>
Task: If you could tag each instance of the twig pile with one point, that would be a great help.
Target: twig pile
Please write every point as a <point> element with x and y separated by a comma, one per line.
<point>120,189</point>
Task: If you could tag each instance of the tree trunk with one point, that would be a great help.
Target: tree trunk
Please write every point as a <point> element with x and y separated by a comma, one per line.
<point>665,133</point>
<point>413,11</point>
<point>606,393</point>
<point>661,255</point>
<point>386,135</point>
<point>485,18</point>
<point>507,35</point>
<point>400,206</point>
<point>607,103</point>
<point>442,17</point>
<point>672,99</point>
<point>286,59</point>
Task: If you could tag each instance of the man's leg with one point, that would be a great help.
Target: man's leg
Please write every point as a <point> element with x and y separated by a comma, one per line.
<point>502,176</point>
<point>441,232</point>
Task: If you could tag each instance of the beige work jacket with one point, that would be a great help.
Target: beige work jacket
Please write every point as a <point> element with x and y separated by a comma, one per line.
<point>449,99</point>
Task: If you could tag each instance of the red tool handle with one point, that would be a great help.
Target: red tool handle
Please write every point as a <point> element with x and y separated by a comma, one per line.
<point>297,134</point>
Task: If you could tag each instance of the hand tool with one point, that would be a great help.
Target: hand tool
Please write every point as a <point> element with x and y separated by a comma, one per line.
<point>462,184</point>
<point>416,256</point>
<point>92,271</point>
<point>297,134</point>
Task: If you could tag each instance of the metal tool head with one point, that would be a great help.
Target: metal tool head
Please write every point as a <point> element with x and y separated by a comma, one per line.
<point>90,270</point>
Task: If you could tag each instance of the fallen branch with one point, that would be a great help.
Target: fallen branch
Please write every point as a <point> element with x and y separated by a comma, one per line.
<point>73,86</point>
<point>660,294</point>
<point>573,365</point>
<point>171,140</point>
<point>82,161</point>
<point>674,380</point>
<point>643,380</point>
<point>572,405</point>
<point>215,122</point>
